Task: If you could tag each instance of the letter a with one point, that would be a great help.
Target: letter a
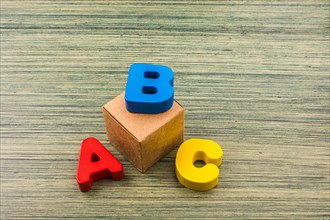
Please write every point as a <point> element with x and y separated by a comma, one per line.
<point>96,163</point>
<point>149,89</point>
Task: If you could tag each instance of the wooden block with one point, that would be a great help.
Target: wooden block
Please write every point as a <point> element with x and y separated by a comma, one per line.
<point>143,138</point>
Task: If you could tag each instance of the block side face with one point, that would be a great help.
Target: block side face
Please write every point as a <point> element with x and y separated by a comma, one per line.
<point>139,125</point>
<point>123,140</point>
<point>163,141</point>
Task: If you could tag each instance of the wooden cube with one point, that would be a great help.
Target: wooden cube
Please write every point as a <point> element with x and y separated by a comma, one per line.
<point>143,138</point>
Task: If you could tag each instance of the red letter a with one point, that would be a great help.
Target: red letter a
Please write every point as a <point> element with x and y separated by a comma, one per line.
<point>96,163</point>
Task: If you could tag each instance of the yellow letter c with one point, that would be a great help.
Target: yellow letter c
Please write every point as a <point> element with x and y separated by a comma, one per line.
<point>204,178</point>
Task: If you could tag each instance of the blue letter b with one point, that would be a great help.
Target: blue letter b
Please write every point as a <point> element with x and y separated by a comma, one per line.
<point>149,89</point>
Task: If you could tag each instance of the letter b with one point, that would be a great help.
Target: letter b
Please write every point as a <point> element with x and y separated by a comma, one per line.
<point>149,89</point>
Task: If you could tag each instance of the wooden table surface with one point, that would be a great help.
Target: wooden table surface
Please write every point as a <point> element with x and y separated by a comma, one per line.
<point>251,75</point>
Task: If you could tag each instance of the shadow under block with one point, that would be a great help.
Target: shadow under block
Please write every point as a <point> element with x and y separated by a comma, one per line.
<point>143,138</point>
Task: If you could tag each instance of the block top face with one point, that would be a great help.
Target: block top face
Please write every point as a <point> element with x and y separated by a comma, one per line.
<point>140,125</point>
<point>149,88</point>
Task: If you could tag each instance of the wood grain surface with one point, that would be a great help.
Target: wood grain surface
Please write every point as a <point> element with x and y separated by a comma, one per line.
<point>252,75</point>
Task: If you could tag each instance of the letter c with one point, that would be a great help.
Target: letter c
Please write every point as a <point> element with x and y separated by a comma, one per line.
<point>192,177</point>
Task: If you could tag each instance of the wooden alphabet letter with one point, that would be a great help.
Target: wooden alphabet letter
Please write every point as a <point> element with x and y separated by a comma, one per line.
<point>96,163</point>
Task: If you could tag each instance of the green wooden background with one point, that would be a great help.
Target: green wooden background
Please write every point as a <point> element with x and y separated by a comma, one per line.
<point>252,75</point>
